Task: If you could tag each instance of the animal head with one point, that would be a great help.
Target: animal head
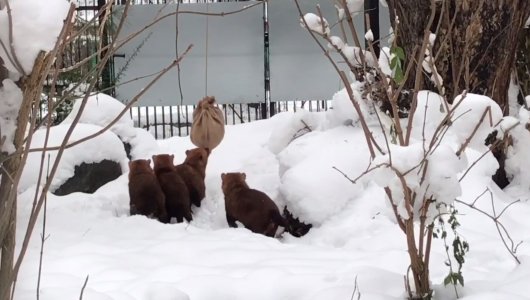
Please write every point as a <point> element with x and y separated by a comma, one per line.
<point>197,158</point>
<point>140,166</point>
<point>233,179</point>
<point>163,161</point>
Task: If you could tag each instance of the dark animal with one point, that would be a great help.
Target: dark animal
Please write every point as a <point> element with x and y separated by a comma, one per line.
<point>295,227</point>
<point>193,171</point>
<point>174,188</point>
<point>251,207</point>
<point>146,195</point>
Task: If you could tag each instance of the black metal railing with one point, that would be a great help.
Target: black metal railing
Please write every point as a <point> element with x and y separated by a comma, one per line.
<point>167,121</point>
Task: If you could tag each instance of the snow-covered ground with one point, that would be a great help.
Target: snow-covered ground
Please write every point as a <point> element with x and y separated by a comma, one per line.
<point>354,238</point>
<point>355,244</point>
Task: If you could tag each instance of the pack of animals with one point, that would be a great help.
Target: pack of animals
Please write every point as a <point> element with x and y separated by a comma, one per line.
<point>166,191</point>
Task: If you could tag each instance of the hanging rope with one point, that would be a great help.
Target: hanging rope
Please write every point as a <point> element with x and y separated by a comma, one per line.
<point>177,50</point>
<point>206,53</point>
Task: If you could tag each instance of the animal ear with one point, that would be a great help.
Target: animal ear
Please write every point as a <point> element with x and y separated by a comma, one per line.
<point>244,175</point>
<point>172,156</point>
<point>154,158</point>
<point>223,176</point>
<point>148,161</point>
<point>187,152</point>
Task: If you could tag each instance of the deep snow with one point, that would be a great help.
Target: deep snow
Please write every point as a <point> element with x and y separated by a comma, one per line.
<point>355,235</point>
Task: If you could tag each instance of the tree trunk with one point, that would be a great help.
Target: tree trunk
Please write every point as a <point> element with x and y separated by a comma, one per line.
<point>12,169</point>
<point>475,47</point>
<point>523,64</point>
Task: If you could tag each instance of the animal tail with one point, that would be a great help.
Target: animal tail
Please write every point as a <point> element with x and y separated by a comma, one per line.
<point>278,219</point>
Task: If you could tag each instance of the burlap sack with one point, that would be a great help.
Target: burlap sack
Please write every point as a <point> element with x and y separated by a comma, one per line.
<point>208,127</point>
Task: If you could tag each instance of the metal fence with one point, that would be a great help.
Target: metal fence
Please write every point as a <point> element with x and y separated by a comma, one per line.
<point>167,121</point>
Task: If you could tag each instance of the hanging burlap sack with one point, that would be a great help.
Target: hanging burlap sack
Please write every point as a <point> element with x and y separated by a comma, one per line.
<point>208,127</point>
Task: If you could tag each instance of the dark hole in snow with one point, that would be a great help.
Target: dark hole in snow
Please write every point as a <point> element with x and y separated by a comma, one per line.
<point>127,148</point>
<point>500,177</point>
<point>89,177</point>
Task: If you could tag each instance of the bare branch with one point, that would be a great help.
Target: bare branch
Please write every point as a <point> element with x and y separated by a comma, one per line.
<point>83,288</point>
<point>501,229</point>
<point>124,110</point>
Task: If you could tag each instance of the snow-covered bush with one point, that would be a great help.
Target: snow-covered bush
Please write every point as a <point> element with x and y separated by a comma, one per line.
<point>423,149</point>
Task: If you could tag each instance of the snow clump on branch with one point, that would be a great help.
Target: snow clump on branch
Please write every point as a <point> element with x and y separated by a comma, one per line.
<point>316,24</point>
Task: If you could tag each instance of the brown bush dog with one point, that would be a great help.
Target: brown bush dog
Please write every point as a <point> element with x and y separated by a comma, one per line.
<point>146,195</point>
<point>175,190</point>
<point>251,207</point>
<point>193,171</point>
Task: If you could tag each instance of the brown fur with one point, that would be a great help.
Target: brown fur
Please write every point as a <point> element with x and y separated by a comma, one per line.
<point>175,190</point>
<point>251,207</point>
<point>193,172</point>
<point>146,195</point>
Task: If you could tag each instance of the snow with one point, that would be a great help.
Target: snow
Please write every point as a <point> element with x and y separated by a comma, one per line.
<point>432,39</point>
<point>105,146</point>
<point>10,100</point>
<point>33,20</point>
<point>430,111</point>
<point>354,233</point>
<point>369,35</point>
<point>100,109</point>
<point>316,23</point>
<point>305,161</point>
<point>336,43</point>
<point>342,111</point>
<point>384,61</point>
<point>468,113</point>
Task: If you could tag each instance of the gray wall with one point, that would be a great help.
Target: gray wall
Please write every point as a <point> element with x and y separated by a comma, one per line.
<point>299,70</point>
<point>235,54</point>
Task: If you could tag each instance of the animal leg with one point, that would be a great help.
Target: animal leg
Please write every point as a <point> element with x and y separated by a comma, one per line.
<point>231,221</point>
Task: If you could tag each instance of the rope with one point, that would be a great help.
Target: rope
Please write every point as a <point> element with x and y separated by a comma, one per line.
<point>206,54</point>
<point>177,50</point>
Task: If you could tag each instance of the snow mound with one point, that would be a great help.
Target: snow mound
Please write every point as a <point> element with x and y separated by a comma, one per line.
<point>101,109</point>
<point>439,182</point>
<point>36,26</point>
<point>293,126</point>
<point>429,114</point>
<point>309,159</point>
<point>468,114</point>
<point>343,112</point>
<point>105,146</point>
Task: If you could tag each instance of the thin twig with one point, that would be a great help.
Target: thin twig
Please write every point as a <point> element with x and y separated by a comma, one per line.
<point>18,65</point>
<point>512,249</point>
<point>43,238</point>
<point>124,110</point>
<point>83,288</point>
<point>345,81</point>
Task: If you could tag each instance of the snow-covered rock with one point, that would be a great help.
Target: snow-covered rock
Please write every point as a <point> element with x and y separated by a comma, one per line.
<point>106,146</point>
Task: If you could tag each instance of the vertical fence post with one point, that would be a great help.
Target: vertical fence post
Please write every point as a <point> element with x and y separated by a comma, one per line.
<point>371,21</point>
<point>268,108</point>
<point>106,81</point>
